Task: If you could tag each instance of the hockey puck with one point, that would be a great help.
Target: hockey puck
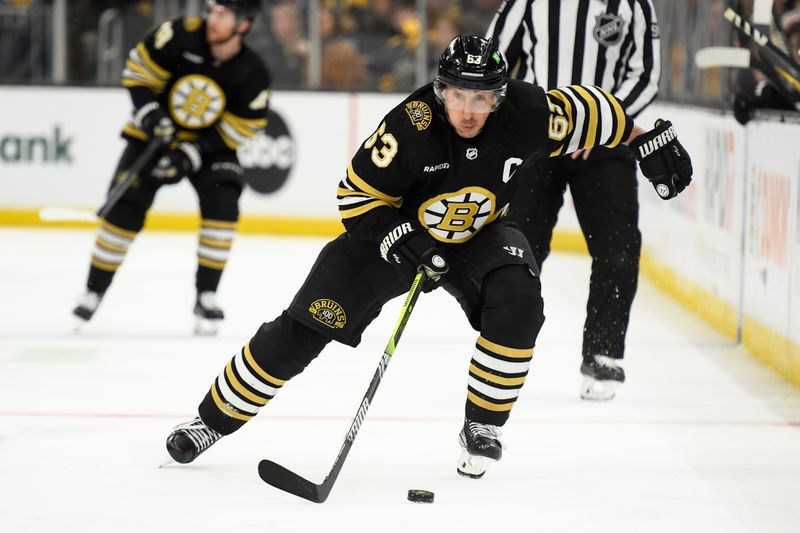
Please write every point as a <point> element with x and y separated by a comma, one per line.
<point>421,496</point>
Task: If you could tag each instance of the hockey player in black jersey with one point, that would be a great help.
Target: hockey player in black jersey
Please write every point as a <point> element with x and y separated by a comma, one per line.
<point>200,91</point>
<point>428,190</point>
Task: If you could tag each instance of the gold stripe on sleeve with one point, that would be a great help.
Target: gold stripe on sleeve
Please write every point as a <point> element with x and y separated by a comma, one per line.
<point>620,113</point>
<point>152,65</point>
<point>360,210</point>
<point>591,132</point>
<point>394,201</point>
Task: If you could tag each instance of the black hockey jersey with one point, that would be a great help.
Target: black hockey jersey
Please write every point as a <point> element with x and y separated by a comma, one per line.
<point>216,104</point>
<point>415,166</point>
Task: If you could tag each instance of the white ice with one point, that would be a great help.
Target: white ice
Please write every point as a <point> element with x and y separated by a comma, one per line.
<point>700,438</point>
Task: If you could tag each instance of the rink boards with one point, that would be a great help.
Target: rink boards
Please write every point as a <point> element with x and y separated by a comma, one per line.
<point>729,246</point>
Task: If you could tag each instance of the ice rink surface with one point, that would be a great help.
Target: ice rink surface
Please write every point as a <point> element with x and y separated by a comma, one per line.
<point>700,438</point>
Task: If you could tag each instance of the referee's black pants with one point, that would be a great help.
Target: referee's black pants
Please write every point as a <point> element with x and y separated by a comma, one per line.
<point>604,191</point>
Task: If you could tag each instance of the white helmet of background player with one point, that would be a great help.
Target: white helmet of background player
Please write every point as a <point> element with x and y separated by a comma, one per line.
<point>244,9</point>
<point>474,64</point>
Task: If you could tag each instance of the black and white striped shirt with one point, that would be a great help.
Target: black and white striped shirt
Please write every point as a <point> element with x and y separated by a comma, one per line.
<point>613,44</point>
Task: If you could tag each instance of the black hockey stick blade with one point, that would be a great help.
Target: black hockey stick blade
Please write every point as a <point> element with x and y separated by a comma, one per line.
<point>286,480</point>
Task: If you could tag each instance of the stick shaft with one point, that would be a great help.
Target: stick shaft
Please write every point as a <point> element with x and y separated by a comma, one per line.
<point>286,480</point>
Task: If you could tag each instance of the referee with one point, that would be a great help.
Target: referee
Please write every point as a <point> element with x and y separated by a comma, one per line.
<point>613,44</point>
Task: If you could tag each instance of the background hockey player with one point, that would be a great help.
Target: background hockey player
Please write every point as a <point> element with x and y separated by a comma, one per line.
<point>428,190</point>
<point>614,45</point>
<point>199,89</point>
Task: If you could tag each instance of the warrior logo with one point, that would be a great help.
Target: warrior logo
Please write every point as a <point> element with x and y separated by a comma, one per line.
<point>362,412</point>
<point>513,250</point>
<point>391,238</point>
<point>659,141</point>
<point>608,29</point>
<point>328,312</point>
<point>420,114</point>
<point>662,190</point>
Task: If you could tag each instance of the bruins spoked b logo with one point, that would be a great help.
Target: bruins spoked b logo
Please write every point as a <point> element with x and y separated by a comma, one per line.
<point>457,216</point>
<point>328,312</point>
<point>196,101</point>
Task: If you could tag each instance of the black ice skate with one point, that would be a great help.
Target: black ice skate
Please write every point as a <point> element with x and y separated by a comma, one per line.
<point>208,314</point>
<point>86,307</point>
<point>481,446</point>
<point>190,439</point>
<point>602,377</point>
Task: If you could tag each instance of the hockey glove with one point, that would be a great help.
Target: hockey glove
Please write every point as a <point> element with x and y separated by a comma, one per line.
<point>155,122</point>
<point>410,249</point>
<point>178,163</point>
<point>663,160</point>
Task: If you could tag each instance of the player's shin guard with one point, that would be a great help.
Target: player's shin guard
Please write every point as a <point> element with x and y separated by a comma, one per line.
<point>511,319</point>
<point>279,351</point>
<point>110,247</point>
<point>214,246</point>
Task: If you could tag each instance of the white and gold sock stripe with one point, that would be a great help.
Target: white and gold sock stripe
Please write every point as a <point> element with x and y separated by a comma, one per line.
<point>496,375</point>
<point>216,239</point>
<point>243,387</point>
<point>111,246</point>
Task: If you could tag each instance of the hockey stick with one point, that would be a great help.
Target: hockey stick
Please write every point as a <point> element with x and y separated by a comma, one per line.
<point>286,480</point>
<point>728,56</point>
<point>63,214</point>
<point>722,56</point>
<point>785,71</point>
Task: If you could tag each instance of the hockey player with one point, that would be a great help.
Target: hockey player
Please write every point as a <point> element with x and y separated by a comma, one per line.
<point>202,91</point>
<point>428,190</point>
<point>614,45</point>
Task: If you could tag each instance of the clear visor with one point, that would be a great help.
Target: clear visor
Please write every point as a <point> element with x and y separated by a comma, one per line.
<point>469,100</point>
<point>211,5</point>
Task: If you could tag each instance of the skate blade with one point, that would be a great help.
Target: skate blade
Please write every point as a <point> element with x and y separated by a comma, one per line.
<point>602,391</point>
<point>473,466</point>
<point>204,327</point>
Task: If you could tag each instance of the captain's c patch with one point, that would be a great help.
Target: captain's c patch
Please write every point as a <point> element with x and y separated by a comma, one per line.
<point>328,312</point>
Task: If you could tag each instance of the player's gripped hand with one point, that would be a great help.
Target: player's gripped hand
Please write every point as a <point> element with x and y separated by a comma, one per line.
<point>156,123</point>
<point>663,160</point>
<point>411,249</point>
<point>177,163</point>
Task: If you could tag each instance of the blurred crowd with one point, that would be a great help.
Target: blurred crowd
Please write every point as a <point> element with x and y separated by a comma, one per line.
<point>372,45</point>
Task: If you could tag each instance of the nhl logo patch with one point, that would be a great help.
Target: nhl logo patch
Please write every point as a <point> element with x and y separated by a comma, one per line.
<point>472,154</point>
<point>328,312</point>
<point>420,114</point>
<point>608,29</point>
